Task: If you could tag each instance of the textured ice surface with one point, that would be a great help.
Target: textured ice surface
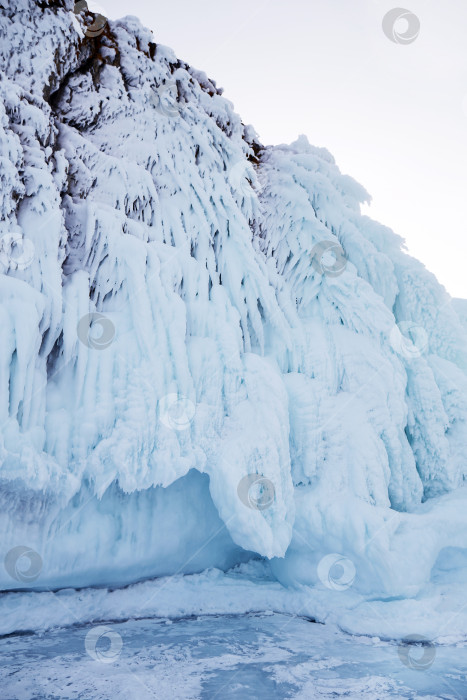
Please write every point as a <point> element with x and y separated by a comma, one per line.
<point>254,656</point>
<point>182,308</point>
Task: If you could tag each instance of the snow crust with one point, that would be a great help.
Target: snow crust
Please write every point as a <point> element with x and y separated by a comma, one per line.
<point>182,308</point>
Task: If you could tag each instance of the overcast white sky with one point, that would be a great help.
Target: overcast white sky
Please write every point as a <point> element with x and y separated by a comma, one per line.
<point>394,116</point>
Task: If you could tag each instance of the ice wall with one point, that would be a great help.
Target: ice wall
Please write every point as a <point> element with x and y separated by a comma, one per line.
<point>204,343</point>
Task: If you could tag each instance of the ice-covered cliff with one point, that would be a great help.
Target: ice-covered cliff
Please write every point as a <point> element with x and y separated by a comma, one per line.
<point>207,353</point>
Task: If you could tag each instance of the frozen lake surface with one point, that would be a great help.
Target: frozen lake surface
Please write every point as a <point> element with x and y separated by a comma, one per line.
<point>238,656</point>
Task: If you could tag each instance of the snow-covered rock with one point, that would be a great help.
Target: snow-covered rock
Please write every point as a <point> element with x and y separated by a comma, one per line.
<point>207,353</point>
